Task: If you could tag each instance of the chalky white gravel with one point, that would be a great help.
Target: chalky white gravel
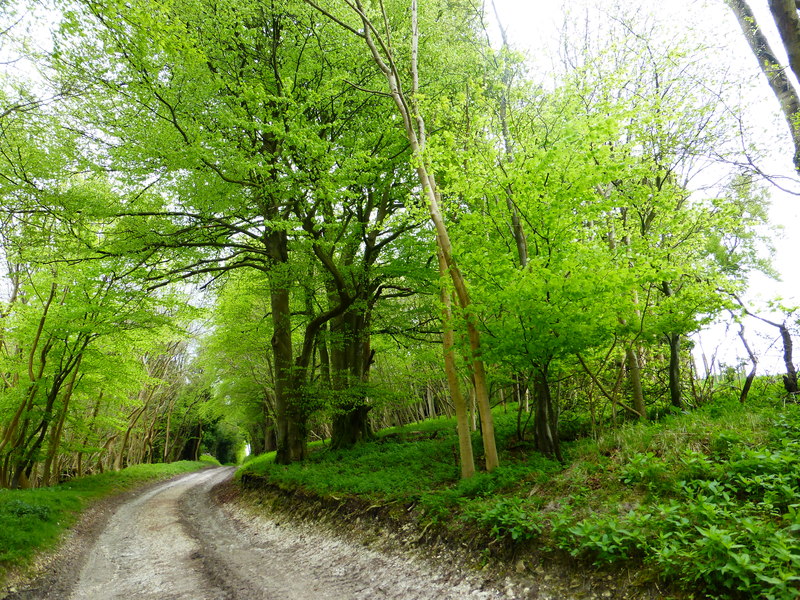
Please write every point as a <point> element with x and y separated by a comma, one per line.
<point>175,542</point>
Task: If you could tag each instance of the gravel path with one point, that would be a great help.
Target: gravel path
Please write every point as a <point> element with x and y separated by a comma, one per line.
<point>174,542</point>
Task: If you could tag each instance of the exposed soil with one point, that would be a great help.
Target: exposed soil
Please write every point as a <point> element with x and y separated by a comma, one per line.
<point>174,541</point>
<point>522,572</point>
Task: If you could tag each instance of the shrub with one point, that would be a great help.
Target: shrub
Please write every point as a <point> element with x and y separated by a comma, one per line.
<point>507,518</point>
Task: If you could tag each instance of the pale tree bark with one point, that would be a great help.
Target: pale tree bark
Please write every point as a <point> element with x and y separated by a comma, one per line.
<point>611,396</point>
<point>462,418</point>
<point>48,477</point>
<point>784,12</point>
<point>790,379</point>
<point>516,224</point>
<point>11,434</point>
<point>85,443</point>
<point>414,126</point>
<point>156,367</point>
<point>674,340</point>
<point>631,354</point>
<point>546,433</point>
<point>748,382</point>
<point>635,372</point>
<point>546,421</point>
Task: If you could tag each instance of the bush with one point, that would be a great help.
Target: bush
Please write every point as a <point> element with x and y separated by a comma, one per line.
<point>507,518</point>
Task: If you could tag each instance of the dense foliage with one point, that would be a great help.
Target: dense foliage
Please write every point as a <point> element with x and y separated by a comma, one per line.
<point>216,224</point>
<point>239,225</point>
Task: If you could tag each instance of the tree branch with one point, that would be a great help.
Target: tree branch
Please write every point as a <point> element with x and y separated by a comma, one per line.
<point>776,76</point>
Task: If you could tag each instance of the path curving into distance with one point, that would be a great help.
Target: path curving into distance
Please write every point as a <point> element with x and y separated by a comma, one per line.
<point>175,542</point>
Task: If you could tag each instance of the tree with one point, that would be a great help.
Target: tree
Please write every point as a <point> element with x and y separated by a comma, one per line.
<point>381,40</point>
<point>790,377</point>
<point>259,144</point>
<point>591,242</point>
<point>235,359</point>
<point>56,338</point>
<point>785,15</point>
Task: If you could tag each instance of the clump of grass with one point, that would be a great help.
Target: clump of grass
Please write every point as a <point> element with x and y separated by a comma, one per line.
<point>33,520</point>
<point>719,515</point>
<point>420,459</point>
<point>211,460</point>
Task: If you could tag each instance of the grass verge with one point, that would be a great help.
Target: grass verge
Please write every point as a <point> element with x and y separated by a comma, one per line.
<point>33,521</point>
<point>708,501</point>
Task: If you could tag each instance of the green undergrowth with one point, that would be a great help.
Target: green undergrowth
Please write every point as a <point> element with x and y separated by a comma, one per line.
<point>708,501</point>
<point>712,502</point>
<point>33,520</point>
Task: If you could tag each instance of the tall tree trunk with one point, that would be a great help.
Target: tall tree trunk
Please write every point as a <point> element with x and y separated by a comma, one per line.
<point>784,13</point>
<point>12,433</point>
<point>546,418</point>
<point>121,459</point>
<point>289,425</point>
<point>790,379</point>
<point>466,457</point>
<point>28,449</point>
<point>635,372</point>
<point>516,223</point>
<point>167,430</point>
<point>324,354</point>
<point>748,382</point>
<point>57,431</point>
<point>95,412</point>
<point>350,360</point>
<point>282,358</point>
<point>674,340</point>
<point>675,397</point>
<point>631,354</point>
<point>382,54</point>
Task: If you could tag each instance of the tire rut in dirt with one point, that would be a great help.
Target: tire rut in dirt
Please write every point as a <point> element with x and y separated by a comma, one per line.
<point>176,542</point>
<point>218,540</point>
<point>144,553</point>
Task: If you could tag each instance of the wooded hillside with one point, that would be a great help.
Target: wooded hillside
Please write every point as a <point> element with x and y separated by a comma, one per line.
<point>245,223</point>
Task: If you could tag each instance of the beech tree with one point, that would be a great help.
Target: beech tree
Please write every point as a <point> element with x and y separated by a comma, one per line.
<point>785,335</point>
<point>348,183</point>
<point>62,313</point>
<point>591,243</point>
<point>381,38</point>
<point>245,134</point>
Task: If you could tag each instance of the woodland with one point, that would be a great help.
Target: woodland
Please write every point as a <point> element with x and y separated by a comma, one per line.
<point>235,226</point>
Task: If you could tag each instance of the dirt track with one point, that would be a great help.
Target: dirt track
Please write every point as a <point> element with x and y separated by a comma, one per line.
<point>174,542</point>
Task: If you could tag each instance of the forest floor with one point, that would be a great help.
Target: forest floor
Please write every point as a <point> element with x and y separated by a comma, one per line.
<point>700,503</point>
<point>179,539</point>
